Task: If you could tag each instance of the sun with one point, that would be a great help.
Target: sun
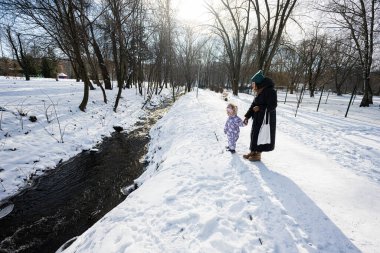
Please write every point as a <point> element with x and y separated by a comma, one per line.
<point>191,10</point>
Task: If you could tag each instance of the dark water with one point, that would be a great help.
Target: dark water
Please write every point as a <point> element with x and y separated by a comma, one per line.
<point>68,200</point>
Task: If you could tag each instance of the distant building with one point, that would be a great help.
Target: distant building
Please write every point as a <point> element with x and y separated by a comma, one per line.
<point>62,76</point>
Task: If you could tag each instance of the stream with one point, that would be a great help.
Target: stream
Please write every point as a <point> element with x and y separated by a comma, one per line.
<point>66,201</point>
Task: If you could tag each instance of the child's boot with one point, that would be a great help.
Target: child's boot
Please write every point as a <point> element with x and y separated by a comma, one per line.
<point>231,150</point>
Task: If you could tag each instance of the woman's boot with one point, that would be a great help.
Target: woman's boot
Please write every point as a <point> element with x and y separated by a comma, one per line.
<point>247,156</point>
<point>255,157</point>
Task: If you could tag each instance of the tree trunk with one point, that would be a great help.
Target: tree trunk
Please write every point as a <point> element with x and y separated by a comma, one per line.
<point>366,101</point>
<point>83,73</point>
<point>75,69</point>
<point>84,102</point>
<point>102,65</point>
<point>235,86</point>
<point>120,88</point>
<point>104,93</point>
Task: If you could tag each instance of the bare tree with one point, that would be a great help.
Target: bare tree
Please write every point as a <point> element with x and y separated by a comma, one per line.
<point>97,51</point>
<point>20,51</point>
<point>231,25</point>
<point>292,65</point>
<point>271,21</point>
<point>212,74</point>
<point>343,60</point>
<point>118,44</point>
<point>189,55</point>
<point>118,20</point>
<point>314,58</point>
<point>139,46</point>
<point>166,31</point>
<point>59,19</point>
<point>359,18</point>
<point>249,57</point>
<point>161,69</point>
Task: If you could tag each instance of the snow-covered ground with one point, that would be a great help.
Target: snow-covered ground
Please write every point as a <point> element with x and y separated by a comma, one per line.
<point>28,149</point>
<point>318,191</point>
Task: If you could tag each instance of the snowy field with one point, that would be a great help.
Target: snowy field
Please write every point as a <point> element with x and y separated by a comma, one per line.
<point>28,149</point>
<point>318,191</point>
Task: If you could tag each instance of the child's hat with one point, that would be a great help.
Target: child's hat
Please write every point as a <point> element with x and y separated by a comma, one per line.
<point>258,77</point>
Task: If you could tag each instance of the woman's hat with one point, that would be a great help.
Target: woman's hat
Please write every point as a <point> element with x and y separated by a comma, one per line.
<point>258,77</point>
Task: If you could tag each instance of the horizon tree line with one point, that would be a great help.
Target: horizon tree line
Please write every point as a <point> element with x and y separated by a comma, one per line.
<point>137,41</point>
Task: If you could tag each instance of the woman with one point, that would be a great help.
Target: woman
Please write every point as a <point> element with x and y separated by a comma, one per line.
<point>266,99</point>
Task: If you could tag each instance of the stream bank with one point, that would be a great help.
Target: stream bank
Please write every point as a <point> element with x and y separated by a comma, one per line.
<point>66,201</point>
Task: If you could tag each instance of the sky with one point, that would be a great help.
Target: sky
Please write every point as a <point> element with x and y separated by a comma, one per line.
<point>195,13</point>
<point>189,9</point>
<point>316,192</point>
<point>192,12</point>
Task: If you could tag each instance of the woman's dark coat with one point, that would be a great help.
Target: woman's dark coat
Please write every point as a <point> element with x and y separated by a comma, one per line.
<point>266,99</point>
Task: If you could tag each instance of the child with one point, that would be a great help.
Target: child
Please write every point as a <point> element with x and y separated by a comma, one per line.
<point>231,127</point>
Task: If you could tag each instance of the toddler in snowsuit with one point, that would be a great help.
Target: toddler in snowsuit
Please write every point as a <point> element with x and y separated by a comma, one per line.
<point>231,127</point>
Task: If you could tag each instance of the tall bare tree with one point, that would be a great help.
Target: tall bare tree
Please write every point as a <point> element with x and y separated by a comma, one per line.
<point>343,60</point>
<point>20,51</point>
<point>232,25</point>
<point>292,65</point>
<point>359,18</point>
<point>161,72</point>
<point>118,20</point>
<point>59,19</point>
<point>91,39</point>
<point>189,55</point>
<point>315,60</point>
<point>212,74</point>
<point>139,47</point>
<point>271,17</point>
